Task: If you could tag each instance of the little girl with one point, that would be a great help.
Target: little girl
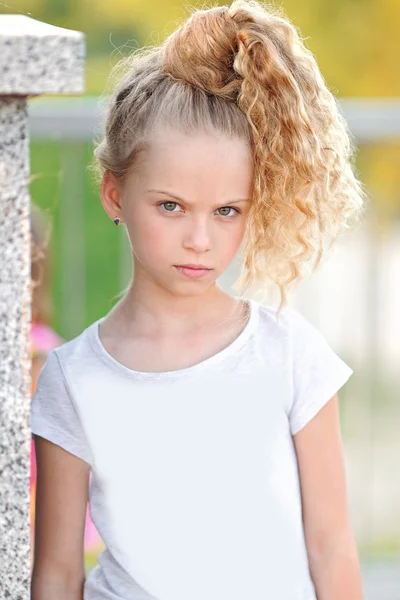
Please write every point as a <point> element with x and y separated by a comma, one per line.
<point>204,427</point>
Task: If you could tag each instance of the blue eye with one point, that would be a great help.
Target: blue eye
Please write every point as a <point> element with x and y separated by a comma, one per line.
<point>167,204</point>
<point>167,210</point>
<point>229,208</point>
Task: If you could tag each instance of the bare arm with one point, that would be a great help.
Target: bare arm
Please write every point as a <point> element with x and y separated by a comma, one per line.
<point>61,503</point>
<point>333,557</point>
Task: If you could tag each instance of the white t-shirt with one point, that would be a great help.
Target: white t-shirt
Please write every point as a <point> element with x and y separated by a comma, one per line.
<point>194,483</point>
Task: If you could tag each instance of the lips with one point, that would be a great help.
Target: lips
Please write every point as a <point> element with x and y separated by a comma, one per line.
<point>192,266</point>
<point>193,272</point>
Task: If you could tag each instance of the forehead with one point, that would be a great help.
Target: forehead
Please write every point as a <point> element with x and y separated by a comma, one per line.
<point>197,159</point>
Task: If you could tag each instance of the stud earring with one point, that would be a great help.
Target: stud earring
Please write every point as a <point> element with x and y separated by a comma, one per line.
<point>117,220</point>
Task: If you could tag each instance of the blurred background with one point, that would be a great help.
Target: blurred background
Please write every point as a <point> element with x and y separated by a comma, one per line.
<point>353,299</point>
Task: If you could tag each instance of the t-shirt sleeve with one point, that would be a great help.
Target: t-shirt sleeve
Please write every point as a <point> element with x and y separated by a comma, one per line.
<point>53,414</point>
<point>318,372</point>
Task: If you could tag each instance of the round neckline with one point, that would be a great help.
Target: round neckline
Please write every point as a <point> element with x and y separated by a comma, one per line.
<point>97,345</point>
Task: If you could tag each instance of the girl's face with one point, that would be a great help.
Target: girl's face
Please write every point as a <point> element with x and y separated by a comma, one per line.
<point>186,202</point>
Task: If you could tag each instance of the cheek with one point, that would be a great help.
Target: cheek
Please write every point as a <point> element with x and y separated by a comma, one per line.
<point>228,243</point>
<point>150,235</point>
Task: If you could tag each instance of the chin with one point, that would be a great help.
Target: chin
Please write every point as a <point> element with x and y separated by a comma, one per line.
<point>190,288</point>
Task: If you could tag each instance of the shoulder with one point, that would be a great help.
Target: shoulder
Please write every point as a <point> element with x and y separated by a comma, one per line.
<point>298,329</point>
<point>286,315</point>
<point>54,409</point>
<point>75,352</point>
<point>65,364</point>
<point>306,348</point>
<point>288,323</point>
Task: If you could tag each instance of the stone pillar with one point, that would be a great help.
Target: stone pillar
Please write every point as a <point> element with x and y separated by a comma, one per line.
<point>35,58</point>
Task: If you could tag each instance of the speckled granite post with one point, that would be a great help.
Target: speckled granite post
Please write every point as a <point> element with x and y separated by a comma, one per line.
<point>35,58</point>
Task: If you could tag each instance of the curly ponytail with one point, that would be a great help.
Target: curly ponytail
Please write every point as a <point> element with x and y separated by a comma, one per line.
<point>243,70</point>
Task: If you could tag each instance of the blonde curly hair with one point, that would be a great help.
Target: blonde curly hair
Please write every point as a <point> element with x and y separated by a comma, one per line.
<point>244,71</point>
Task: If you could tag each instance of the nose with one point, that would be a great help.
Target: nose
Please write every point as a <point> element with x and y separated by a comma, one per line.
<point>198,236</point>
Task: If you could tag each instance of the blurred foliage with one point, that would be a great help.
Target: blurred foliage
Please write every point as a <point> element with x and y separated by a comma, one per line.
<point>379,169</point>
<point>356,42</point>
<point>101,236</point>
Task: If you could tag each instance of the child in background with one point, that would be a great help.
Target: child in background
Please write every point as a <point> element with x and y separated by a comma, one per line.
<point>43,340</point>
<point>208,422</point>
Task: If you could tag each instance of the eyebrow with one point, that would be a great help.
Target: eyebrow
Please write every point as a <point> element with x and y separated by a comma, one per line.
<point>183,200</point>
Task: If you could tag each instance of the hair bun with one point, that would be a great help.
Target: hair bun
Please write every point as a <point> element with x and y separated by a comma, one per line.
<point>202,52</point>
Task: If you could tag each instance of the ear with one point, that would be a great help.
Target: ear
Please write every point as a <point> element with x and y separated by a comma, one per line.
<point>110,194</point>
